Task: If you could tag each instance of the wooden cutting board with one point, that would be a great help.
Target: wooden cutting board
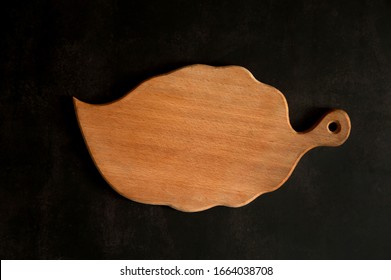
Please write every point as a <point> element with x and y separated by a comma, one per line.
<point>199,137</point>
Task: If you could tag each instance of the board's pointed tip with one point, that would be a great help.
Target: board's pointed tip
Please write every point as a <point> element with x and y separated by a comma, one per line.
<point>75,101</point>
<point>78,104</point>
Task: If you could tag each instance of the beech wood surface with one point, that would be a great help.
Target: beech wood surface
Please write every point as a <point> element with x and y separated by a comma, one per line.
<point>199,137</point>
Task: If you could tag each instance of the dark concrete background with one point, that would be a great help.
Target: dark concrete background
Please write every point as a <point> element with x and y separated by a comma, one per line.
<point>320,54</point>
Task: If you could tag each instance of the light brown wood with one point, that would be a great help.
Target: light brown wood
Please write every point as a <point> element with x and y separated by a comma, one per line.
<point>199,137</point>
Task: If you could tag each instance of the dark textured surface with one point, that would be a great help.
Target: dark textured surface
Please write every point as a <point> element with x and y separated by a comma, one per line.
<point>320,54</point>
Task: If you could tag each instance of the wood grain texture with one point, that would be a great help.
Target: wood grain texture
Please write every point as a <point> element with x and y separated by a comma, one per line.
<point>199,137</point>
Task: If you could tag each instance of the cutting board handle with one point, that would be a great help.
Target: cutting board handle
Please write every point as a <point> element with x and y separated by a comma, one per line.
<point>332,130</point>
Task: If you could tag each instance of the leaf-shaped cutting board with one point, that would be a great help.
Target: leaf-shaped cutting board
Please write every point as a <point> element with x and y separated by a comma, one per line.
<point>199,137</point>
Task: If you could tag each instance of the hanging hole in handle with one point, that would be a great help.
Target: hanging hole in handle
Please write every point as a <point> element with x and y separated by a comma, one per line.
<point>334,127</point>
